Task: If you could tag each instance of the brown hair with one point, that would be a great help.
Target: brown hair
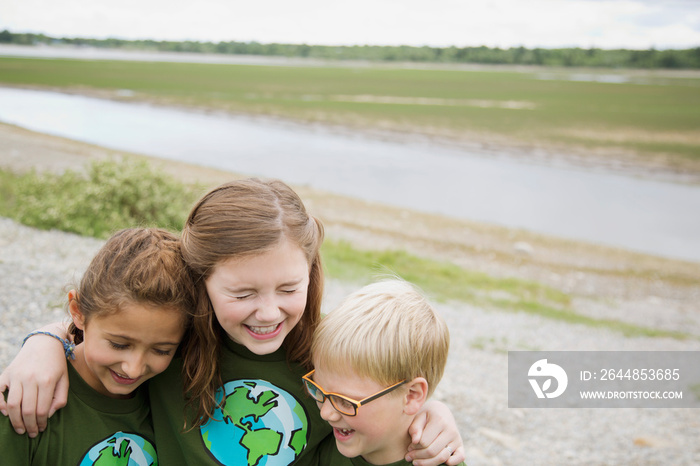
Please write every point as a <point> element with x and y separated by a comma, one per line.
<point>237,219</point>
<point>135,265</point>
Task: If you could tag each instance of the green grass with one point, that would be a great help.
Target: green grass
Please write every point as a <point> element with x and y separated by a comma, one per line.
<point>119,193</point>
<point>442,279</point>
<point>654,108</point>
<point>446,281</point>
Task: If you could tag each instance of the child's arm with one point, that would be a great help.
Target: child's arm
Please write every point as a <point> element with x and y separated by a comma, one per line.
<point>436,439</point>
<point>37,382</point>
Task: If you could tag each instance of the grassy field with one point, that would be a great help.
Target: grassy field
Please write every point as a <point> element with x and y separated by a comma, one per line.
<point>646,114</point>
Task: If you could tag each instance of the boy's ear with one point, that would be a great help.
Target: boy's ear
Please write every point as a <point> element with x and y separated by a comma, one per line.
<point>416,396</point>
<point>75,314</point>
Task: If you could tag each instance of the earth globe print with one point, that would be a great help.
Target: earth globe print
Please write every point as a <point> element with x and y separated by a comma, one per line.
<point>259,424</point>
<point>121,449</point>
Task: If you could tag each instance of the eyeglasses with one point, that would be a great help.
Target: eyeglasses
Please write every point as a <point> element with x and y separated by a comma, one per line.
<point>342,403</point>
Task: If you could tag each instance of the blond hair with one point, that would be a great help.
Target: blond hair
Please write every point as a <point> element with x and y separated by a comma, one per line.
<point>387,332</point>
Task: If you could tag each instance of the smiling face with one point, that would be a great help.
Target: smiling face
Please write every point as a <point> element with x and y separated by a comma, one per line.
<point>259,299</point>
<point>123,349</point>
<point>379,431</point>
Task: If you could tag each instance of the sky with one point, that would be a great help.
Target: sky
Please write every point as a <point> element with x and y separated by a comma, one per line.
<point>633,24</point>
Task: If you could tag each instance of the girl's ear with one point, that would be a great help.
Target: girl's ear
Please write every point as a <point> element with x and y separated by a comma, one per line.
<point>417,395</point>
<point>76,315</point>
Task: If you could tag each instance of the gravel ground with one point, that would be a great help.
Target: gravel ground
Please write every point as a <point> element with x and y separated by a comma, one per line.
<point>35,267</point>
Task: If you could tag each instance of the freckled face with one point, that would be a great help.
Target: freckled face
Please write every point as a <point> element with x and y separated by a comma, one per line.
<point>259,299</point>
<point>122,350</point>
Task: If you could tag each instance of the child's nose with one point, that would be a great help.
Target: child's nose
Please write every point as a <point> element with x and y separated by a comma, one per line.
<point>267,311</point>
<point>134,366</point>
<point>328,412</point>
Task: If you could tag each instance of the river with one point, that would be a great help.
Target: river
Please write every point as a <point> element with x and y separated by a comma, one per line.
<point>655,217</point>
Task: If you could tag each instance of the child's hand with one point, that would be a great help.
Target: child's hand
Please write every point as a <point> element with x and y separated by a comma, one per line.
<point>435,438</point>
<point>37,384</point>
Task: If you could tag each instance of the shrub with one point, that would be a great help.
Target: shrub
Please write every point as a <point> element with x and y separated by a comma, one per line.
<point>111,195</point>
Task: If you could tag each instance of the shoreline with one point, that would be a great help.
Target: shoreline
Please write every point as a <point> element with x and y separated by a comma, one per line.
<point>616,161</point>
<point>600,156</point>
<point>603,281</point>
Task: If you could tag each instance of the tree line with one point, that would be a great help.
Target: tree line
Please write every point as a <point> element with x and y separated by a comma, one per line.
<point>593,57</point>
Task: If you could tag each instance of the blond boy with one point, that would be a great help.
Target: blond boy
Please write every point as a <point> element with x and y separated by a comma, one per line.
<point>377,358</point>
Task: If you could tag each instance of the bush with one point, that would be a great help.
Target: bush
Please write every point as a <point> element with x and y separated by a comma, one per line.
<point>113,194</point>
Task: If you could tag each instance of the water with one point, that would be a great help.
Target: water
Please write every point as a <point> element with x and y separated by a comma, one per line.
<point>637,214</point>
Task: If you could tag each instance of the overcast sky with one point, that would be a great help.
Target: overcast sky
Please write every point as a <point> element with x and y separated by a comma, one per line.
<point>637,24</point>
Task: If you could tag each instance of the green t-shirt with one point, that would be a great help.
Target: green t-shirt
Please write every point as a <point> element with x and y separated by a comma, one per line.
<point>91,429</point>
<point>268,418</point>
<point>361,462</point>
<point>330,456</point>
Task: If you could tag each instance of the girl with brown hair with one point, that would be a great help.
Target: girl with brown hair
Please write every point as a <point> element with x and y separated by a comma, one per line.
<point>128,313</point>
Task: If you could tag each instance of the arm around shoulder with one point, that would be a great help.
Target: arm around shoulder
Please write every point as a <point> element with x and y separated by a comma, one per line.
<point>435,437</point>
<point>36,381</point>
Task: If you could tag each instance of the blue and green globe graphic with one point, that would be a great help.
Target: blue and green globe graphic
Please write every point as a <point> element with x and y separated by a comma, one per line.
<point>259,424</point>
<point>121,449</point>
